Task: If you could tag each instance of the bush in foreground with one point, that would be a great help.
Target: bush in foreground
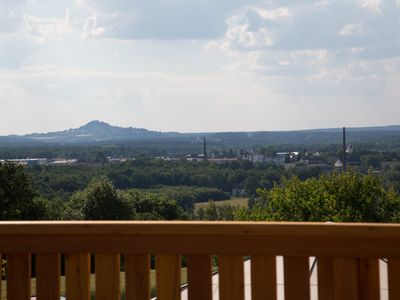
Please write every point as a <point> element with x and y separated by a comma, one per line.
<point>345,197</point>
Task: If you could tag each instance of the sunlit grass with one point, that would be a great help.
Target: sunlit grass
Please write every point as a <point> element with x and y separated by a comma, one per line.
<point>235,201</point>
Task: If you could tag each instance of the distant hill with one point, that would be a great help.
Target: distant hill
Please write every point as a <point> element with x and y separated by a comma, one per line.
<point>91,133</point>
<point>98,132</point>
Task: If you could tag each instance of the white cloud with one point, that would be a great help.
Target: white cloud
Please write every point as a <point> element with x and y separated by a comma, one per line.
<point>159,19</point>
<point>91,30</point>
<point>350,29</point>
<point>310,57</point>
<point>48,28</point>
<point>374,5</point>
<point>272,64</point>
<point>357,50</point>
<point>281,13</point>
<point>249,30</point>
<point>303,58</point>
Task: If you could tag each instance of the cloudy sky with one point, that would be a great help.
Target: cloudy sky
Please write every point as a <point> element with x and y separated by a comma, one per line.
<point>199,65</point>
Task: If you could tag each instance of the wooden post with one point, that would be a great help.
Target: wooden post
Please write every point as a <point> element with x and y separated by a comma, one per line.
<point>18,276</point>
<point>107,267</point>
<point>199,270</point>
<point>368,274</point>
<point>77,272</point>
<point>137,276</point>
<point>394,278</point>
<point>296,277</point>
<point>263,277</point>
<point>345,272</point>
<point>231,277</point>
<point>168,274</point>
<point>325,279</point>
<point>48,276</point>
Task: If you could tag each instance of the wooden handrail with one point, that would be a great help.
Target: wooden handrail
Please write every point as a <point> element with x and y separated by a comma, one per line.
<point>347,256</point>
<point>316,239</point>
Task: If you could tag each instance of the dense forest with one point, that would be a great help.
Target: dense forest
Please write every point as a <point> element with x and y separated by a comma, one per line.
<point>147,188</point>
<point>146,173</point>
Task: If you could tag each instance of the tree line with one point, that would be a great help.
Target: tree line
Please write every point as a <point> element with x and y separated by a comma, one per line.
<point>337,197</point>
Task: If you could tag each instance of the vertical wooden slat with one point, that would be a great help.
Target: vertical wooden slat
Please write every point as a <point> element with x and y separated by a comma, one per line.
<point>168,275</point>
<point>1,274</point>
<point>394,278</point>
<point>199,270</point>
<point>263,277</point>
<point>368,276</point>
<point>231,277</point>
<point>325,279</point>
<point>18,276</point>
<point>137,276</point>
<point>48,276</point>
<point>107,267</point>
<point>297,278</point>
<point>346,284</point>
<point>77,271</point>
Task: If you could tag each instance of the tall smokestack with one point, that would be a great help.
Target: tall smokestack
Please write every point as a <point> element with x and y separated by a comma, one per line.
<point>344,150</point>
<point>205,150</point>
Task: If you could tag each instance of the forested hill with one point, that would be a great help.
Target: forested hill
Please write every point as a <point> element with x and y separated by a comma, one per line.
<point>98,132</point>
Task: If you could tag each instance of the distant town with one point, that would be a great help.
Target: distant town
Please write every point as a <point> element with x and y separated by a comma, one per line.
<point>283,159</point>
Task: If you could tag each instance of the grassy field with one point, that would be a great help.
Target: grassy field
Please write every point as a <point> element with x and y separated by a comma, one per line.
<point>92,283</point>
<point>236,201</point>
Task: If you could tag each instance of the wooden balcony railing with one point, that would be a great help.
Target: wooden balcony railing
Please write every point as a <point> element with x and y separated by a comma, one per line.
<point>347,257</point>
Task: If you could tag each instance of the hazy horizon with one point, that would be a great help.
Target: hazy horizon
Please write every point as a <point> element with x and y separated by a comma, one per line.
<point>183,132</point>
<point>199,65</point>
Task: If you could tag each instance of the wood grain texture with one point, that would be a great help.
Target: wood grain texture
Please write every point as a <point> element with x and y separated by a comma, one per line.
<point>168,276</point>
<point>231,277</point>
<point>1,274</point>
<point>368,277</point>
<point>263,238</point>
<point>346,283</point>
<point>297,278</point>
<point>107,268</point>
<point>48,276</point>
<point>77,272</point>
<point>325,279</point>
<point>199,271</point>
<point>394,278</point>
<point>18,276</point>
<point>263,277</point>
<point>137,276</point>
<point>190,228</point>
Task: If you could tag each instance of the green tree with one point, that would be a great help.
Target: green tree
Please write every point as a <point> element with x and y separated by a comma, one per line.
<point>17,194</point>
<point>214,212</point>
<point>149,206</point>
<point>345,197</point>
<point>251,184</point>
<point>99,201</point>
<point>371,161</point>
<point>211,211</point>
<point>51,209</point>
